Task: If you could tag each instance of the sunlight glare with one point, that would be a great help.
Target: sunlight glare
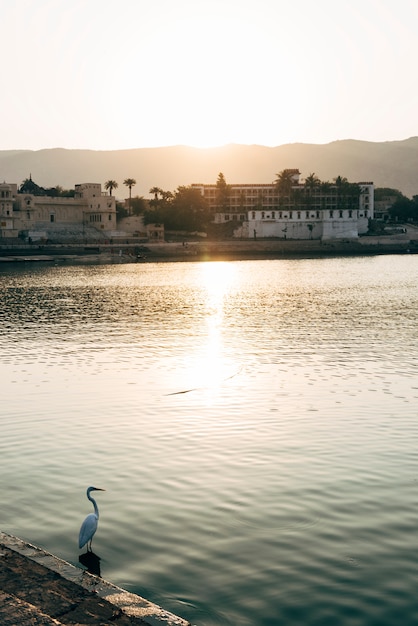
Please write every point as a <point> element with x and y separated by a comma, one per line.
<point>217,278</point>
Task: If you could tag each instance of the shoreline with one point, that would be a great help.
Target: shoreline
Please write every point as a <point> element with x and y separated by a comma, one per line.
<point>209,250</point>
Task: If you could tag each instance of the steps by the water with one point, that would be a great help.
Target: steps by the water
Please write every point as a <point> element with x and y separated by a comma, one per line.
<point>37,588</point>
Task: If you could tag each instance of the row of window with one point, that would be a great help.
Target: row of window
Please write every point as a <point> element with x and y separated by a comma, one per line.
<point>98,217</point>
<point>269,206</point>
<point>93,218</point>
<point>212,194</point>
<point>308,214</point>
<point>290,215</point>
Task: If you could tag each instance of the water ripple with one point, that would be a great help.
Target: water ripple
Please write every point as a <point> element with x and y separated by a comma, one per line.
<point>253,423</point>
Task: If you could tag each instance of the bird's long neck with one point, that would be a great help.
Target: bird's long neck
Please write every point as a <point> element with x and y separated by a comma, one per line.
<point>96,510</point>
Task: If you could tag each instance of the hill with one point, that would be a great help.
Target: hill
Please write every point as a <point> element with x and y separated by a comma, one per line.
<point>388,164</point>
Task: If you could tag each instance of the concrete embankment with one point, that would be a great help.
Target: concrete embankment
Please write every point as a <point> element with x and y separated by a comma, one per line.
<point>212,250</point>
<point>37,588</point>
<point>242,250</point>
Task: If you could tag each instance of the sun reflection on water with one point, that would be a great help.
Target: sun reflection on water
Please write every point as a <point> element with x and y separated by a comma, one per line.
<point>217,279</point>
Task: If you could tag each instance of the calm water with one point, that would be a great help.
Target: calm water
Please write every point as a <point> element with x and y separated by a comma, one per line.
<point>254,424</point>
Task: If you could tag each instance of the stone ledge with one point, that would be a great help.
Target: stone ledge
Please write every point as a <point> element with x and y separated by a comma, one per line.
<point>48,590</point>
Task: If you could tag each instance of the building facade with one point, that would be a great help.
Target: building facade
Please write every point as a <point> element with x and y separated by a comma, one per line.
<point>27,209</point>
<point>316,211</point>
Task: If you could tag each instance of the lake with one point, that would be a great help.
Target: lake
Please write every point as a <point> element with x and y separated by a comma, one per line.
<point>254,424</point>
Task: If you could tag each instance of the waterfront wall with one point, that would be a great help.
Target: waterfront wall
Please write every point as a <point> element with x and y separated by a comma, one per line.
<point>36,587</point>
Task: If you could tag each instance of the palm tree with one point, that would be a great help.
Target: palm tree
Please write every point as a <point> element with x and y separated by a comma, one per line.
<point>341,183</point>
<point>284,182</point>
<point>285,185</point>
<point>156,191</point>
<point>130,182</point>
<point>312,183</point>
<point>110,185</point>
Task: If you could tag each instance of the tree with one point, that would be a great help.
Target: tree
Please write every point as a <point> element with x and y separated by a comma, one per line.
<point>222,191</point>
<point>341,184</point>
<point>312,184</point>
<point>185,209</point>
<point>156,191</point>
<point>404,210</point>
<point>110,185</point>
<point>130,182</point>
<point>326,192</point>
<point>381,193</point>
<point>160,207</point>
<point>340,181</point>
<point>284,185</point>
<point>138,205</point>
<point>58,191</point>
<point>190,210</point>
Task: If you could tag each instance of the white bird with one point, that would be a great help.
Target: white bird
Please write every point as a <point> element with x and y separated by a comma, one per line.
<point>89,526</point>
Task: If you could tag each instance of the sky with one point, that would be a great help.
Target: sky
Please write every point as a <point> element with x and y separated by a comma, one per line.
<point>122,74</point>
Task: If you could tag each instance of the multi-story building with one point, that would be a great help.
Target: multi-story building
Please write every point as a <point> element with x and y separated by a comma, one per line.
<point>30,209</point>
<point>8,220</point>
<point>314,211</point>
<point>383,206</point>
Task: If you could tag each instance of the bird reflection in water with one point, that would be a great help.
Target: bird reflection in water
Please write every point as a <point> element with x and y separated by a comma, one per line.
<point>91,561</point>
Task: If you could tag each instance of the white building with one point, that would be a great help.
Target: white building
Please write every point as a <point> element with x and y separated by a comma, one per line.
<point>321,211</point>
<point>30,209</point>
<point>7,217</point>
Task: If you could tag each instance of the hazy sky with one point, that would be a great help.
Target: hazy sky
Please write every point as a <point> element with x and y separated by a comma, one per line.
<point>115,74</point>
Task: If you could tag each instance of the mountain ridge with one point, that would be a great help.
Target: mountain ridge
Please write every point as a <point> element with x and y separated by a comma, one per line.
<point>388,164</point>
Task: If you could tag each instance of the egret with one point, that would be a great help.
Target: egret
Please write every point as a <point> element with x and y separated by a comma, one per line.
<point>89,526</point>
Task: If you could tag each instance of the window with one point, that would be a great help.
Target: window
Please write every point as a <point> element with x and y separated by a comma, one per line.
<point>273,215</point>
<point>331,213</point>
<point>299,214</point>
<point>253,215</point>
<point>307,215</point>
<point>52,217</point>
<point>290,215</point>
<point>262,215</point>
<point>341,213</point>
<point>350,213</point>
